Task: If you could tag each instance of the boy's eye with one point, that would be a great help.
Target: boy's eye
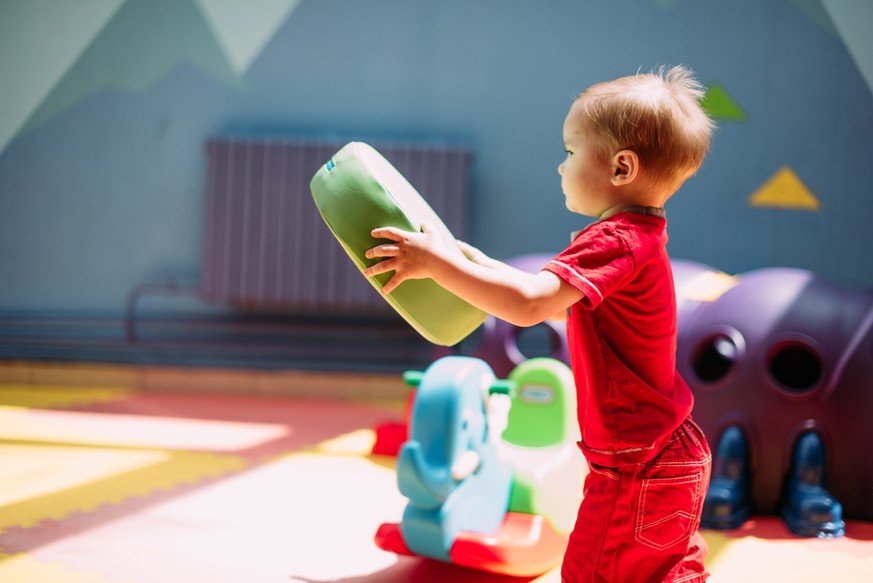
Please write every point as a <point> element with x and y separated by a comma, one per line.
<point>568,152</point>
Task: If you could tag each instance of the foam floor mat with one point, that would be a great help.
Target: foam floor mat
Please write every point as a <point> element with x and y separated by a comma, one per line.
<point>111,486</point>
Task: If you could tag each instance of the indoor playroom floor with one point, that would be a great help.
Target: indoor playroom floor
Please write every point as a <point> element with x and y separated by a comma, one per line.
<point>110,485</point>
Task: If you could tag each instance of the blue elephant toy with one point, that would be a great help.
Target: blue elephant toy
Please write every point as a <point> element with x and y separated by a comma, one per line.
<point>449,467</point>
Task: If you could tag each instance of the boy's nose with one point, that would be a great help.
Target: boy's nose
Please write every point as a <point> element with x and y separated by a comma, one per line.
<point>561,168</point>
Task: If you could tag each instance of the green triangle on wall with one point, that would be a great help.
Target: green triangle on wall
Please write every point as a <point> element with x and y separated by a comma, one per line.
<point>720,105</point>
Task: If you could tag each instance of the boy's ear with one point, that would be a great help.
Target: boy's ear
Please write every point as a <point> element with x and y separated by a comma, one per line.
<point>625,167</point>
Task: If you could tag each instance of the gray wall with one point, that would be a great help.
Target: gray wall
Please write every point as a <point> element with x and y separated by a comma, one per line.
<point>102,188</point>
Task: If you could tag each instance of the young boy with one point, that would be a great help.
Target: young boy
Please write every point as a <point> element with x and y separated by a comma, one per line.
<point>630,143</point>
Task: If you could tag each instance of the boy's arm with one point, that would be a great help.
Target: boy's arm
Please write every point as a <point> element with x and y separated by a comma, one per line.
<point>481,258</point>
<point>477,256</point>
<point>510,294</point>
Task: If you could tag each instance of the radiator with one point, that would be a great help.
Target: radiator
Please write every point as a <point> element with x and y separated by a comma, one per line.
<point>266,245</point>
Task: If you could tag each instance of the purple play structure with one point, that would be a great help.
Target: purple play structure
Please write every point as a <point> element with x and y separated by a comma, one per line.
<point>781,365</point>
<point>499,343</point>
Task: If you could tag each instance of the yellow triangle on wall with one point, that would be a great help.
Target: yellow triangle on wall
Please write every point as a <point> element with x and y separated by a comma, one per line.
<point>785,190</point>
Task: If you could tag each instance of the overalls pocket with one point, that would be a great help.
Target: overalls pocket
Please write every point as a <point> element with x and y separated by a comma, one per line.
<point>668,507</point>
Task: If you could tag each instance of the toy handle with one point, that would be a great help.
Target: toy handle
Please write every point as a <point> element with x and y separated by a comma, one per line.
<point>413,377</point>
<point>501,387</point>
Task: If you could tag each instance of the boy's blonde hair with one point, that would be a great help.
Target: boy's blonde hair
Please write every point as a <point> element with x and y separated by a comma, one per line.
<point>657,115</point>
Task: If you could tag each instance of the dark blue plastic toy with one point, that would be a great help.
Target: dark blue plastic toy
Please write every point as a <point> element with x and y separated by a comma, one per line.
<point>728,503</point>
<point>808,509</point>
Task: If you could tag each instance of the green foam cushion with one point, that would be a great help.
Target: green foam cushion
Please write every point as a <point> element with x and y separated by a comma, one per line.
<point>358,190</point>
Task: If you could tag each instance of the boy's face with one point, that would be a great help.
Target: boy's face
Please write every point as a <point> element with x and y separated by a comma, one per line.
<point>585,179</point>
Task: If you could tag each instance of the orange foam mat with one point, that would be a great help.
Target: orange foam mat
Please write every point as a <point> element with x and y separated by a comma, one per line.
<point>157,488</point>
<point>764,550</point>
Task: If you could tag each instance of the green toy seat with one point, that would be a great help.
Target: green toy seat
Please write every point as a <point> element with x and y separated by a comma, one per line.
<point>358,190</point>
<point>540,442</point>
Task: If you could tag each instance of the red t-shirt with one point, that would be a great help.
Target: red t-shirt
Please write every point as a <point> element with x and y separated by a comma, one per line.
<point>622,338</point>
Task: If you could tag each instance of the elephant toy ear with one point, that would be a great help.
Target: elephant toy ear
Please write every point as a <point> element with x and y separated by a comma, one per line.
<point>426,485</point>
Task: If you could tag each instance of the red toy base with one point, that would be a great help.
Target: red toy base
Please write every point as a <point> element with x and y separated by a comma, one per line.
<point>525,546</point>
<point>389,538</point>
<point>389,437</point>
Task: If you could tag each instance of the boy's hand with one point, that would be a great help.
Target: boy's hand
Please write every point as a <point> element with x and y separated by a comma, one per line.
<point>409,255</point>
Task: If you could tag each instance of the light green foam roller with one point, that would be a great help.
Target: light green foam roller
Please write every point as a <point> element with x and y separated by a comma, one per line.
<point>358,190</point>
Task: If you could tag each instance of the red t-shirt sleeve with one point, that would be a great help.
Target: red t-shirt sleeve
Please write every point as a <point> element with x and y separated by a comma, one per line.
<point>596,263</point>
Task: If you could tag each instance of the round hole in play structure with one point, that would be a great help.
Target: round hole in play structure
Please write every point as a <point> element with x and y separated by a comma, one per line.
<point>715,357</point>
<point>536,341</point>
<point>796,367</point>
